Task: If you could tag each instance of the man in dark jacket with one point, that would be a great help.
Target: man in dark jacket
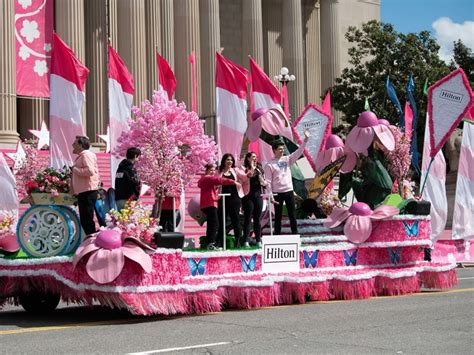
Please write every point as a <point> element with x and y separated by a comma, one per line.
<point>127,185</point>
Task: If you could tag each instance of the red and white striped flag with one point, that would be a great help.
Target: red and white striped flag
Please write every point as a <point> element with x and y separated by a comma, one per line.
<point>167,80</point>
<point>231,106</point>
<point>435,186</point>
<point>68,81</point>
<point>264,94</point>
<point>121,90</point>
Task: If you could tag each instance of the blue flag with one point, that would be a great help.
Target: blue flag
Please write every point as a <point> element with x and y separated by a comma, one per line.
<point>414,144</point>
<point>393,97</point>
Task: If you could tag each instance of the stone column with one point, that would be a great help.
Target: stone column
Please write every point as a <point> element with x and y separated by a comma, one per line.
<point>112,22</point>
<point>69,25</point>
<point>293,54</point>
<point>31,112</point>
<point>153,41</point>
<point>186,29</point>
<point>330,61</point>
<point>272,32</point>
<point>313,52</point>
<point>210,44</point>
<point>132,43</point>
<point>167,31</point>
<point>252,31</point>
<point>8,125</point>
<point>96,61</point>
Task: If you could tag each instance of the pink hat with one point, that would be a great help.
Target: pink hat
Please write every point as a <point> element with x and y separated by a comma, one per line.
<point>384,122</point>
<point>335,149</point>
<point>334,141</point>
<point>362,135</point>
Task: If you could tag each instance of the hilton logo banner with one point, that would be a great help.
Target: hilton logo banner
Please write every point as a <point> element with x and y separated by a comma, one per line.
<point>281,253</point>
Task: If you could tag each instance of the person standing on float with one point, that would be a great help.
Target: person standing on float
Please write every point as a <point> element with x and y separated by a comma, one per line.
<point>278,176</point>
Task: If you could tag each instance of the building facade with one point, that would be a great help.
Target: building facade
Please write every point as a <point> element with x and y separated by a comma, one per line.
<point>307,36</point>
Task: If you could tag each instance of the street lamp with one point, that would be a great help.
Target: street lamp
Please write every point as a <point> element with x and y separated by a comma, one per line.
<point>284,77</point>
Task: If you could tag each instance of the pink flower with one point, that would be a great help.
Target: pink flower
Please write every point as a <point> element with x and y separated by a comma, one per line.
<point>333,150</point>
<point>359,218</point>
<point>107,252</point>
<point>368,127</point>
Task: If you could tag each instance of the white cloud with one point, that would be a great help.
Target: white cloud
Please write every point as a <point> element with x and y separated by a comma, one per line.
<point>448,32</point>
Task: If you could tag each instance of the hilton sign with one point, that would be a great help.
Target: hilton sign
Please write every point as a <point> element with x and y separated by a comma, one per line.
<point>280,253</point>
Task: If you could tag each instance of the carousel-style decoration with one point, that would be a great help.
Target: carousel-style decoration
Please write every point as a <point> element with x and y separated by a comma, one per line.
<point>50,227</point>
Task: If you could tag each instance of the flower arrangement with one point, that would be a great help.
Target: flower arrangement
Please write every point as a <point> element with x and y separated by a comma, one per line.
<point>8,241</point>
<point>51,181</point>
<point>31,164</point>
<point>134,220</point>
<point>399,159</point>
<point>328,201</point>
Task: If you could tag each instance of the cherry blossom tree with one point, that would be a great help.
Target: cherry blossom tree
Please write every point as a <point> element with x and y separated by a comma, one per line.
<point>30,166</point>
<point>173,145</point>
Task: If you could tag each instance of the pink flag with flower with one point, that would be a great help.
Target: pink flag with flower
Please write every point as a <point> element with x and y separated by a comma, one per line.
<point>68,81</point>
<point>121,90</point>
<point>33,30</point>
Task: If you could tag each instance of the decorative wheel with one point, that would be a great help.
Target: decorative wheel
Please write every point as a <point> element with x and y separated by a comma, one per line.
<point>77,231</point>
<point>44,231</point>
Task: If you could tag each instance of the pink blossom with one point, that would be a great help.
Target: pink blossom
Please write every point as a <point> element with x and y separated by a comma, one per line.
<point>173,144</point>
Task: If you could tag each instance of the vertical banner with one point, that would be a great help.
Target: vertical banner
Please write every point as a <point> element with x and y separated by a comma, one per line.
<point>463,216</point>
<point>68,81</point>
<point>231,106</point>
<point>33,30</point>
<point>434,190</point>
<point>121,90</point>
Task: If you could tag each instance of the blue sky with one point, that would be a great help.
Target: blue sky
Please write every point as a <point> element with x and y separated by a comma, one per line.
<point>448,20</point>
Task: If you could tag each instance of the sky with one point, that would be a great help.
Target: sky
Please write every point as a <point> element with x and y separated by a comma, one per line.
<point>447,20</point>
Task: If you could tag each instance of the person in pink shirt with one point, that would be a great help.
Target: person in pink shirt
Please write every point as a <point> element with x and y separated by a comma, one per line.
<point>85,182</point>
<point>208,184</point>
<point>278,176</point>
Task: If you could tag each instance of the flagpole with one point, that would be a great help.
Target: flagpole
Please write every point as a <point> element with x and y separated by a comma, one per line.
<point>426,176</point>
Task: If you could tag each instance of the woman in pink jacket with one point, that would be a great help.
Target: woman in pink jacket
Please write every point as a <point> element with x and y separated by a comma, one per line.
<point>208,184</point>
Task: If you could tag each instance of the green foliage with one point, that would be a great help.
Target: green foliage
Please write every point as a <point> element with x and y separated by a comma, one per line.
<point>463,58</point>
<point>377,51</point>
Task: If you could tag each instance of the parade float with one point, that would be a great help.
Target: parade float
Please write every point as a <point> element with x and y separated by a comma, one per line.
<point>372,247</point>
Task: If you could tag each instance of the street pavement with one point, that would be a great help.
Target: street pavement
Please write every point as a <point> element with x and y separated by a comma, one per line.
<point>429,322</point>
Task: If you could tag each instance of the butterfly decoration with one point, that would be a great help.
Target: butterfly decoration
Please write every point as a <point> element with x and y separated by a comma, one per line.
<point>310,260</point>
<point>324,178</point>
<point>411,229</point>
<point>350,258</point>
<point>250,264</point>
<point>197,267</point>
<point>394,255</point>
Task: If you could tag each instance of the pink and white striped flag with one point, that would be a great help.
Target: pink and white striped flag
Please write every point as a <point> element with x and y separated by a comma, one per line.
<point>264,94</point>
<point>435,186</point>
<point>68,81</point>
<point>463,216</point>
<point>121,90</point>
<point>166,77</point>
<point>231,106</point>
